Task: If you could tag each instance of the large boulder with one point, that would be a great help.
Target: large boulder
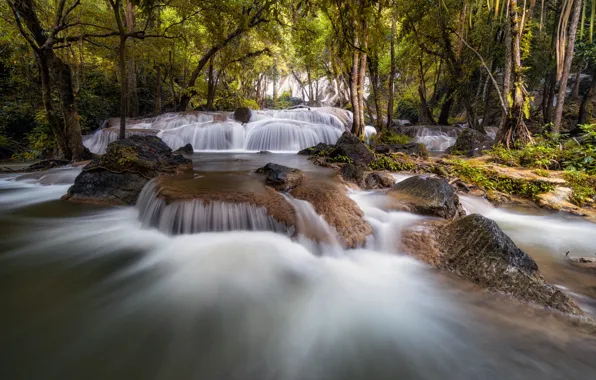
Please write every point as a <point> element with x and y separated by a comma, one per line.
<point>242,115</point>
<point>281,178</point>
<point>329,199</point>
<point>414,149</point>
<point>471,143</point>
<point>476,249</point>
<point>352,173</point>
<point>118,176</point>
<point>426,195</point>
<point>352,147</point>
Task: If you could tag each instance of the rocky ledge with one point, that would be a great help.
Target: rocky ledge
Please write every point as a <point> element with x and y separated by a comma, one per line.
<point>118,176</point>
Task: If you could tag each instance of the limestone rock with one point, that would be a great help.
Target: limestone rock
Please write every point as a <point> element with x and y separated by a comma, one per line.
<point>352,173</point>
<point>186,149</point>
<point>281,178</point>
<point>118,176</point>
<point>316,150</point>
<point>426,195</point>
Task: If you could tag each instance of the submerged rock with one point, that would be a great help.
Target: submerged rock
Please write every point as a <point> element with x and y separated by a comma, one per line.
<point>426,195</point>
<point>414,149</point>
<point>471,143</point>
<point>352,147</point>
<point>475,248</point>
<point>186,149</point>
<point>118,176</point>
<point>281,178</point>
<point>242,115</point>
<point>330,200</point>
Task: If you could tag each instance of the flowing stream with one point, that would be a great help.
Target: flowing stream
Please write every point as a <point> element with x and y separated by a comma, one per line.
<point>222,291</point>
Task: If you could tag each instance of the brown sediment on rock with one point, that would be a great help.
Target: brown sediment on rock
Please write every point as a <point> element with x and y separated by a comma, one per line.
<point>227,188</point>
<point>330,200</point>
<point>476,249</point>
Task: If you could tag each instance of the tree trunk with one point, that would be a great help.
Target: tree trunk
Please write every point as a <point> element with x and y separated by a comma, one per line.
<point>361,79</point>
<point>507,70</point>
<point>426,116</point>
<point>133,100</point>
<point>446,107</point>
<point>514,127</point>
<point>391,75</point>
<point>54,121</point>
<point>210,86</point>
<point>123,84</point>
<point>72,126</point>
<point>577,7</point>
<point>157,100</point>
<point>356,127</point>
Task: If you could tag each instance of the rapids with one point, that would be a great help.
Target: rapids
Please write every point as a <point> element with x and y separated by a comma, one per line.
<point>97,292</point>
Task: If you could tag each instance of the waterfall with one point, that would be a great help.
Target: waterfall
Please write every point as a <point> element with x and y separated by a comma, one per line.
<point>369,131</point>
<point>206,136</point>
<point>322,238</point>
<point>288,135</point>
<point>437,139</point>
<point>196,215</point>
<point>272,130</point>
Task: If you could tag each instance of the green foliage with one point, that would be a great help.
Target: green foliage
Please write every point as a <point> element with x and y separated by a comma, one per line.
<point>393,163</point>
<point>393,138</point>
<point>583,185</point>
<point>408,109</point>
<point>342,159</point>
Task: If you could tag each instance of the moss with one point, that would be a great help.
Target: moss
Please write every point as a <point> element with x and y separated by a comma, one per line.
<point>490,180</point>
<point>392,163</point>
<point>583,186</point>
<point>393,138</point>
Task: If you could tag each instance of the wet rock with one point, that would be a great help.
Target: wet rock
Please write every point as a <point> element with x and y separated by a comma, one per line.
<point>471,143</point>
<point>415,149</point>
<point>352,147</point>
<point>352,173</point>
<point>118,176</point>
<point>186,149</point>
<point>378,180</point>
<point>330,200</point>
<point>281,178</point>
<point>475,248</point>
<point>426,195</point>
<point>264,152</point>
<point>588,263</point>
<point>316,150</point>
<point>242,115</point>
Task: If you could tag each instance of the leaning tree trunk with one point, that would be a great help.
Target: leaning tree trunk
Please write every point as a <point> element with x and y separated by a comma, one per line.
<point>361,80</point>
<point>426,116</point>
<point>514,128</point>
<point>577,7</point>
<point>123,83</point>
<point>446,107</point>
<point>356,127</point>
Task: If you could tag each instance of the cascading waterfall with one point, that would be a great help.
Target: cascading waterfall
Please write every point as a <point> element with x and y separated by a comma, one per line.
<point>206,136</point>
<point>285,130</point>
<point>288,135</point>
<point>196,216</point>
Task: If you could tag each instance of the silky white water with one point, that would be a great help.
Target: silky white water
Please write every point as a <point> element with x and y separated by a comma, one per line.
<point>273,130</point>
<point>95,292</point>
